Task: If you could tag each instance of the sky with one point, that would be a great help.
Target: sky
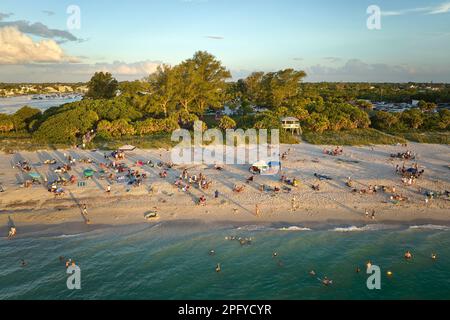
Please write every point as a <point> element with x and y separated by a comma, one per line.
<point>53,41</point>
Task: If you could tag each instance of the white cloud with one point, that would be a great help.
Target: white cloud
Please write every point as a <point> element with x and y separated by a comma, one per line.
<point>18,48</point>
<point>118,68</point>
<point>358,70</point>
<point>443,8</point>
<point>70,72</point>
<point>439,9</point>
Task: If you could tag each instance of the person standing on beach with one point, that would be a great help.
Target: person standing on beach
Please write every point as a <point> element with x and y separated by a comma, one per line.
<point>85,214</point>
<point>373,214</point>
<point>108,189</point>
<point>294,204</point>
<point>216,194</point>
<point>257,211</point>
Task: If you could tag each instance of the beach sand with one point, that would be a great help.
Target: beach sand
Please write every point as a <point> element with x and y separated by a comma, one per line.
<point>34,207</point>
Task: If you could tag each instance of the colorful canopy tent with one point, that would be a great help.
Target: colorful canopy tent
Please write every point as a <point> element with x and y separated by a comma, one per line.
<point>127,148</point>
<point>88,173</point>
<point>274,164</point>
<point>259,167</point>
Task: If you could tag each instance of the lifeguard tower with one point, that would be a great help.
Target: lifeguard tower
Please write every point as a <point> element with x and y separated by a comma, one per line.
<point>291,124</point>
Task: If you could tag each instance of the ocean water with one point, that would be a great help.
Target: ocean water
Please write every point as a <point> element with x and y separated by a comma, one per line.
<point>12,104</point>
<point>172,261</point>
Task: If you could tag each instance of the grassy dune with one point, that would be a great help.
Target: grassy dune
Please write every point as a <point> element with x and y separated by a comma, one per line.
<point>357,137</point>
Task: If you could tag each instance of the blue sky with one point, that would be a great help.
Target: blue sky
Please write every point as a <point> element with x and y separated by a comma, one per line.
<point>327,38</point>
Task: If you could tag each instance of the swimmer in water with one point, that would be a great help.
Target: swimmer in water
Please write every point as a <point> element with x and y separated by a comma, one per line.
<point>23,263</point>
<point>275,254</point>
<point>312,273</point>
<point>358,270</point>
<point>434,256</point>
<point>369,265</point>
<point>408,255</point>
<point>212,253</point>
<point>218,268</point>
<point>327,282</point>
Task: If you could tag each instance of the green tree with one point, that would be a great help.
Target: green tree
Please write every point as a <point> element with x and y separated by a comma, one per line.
<point>227,123</point>
<point>444,119</point>
<point>413,118</point>
<point>164,89</point>
<point>24,117</point>
<point>318,122</point>
<point>383,120</point>
<point>115,129</point>
<point>102,86</point>
<point>427,106</point>
<point>68,126</point>
<point>6,124</point>
<point>210,76</point>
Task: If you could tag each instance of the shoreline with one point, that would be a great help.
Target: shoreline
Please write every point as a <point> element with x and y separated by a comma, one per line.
<point>69,221</point>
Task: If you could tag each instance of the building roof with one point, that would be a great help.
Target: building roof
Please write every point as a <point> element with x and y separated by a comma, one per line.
<point>289,119</point>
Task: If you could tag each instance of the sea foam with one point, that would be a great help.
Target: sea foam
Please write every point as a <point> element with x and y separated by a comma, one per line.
<point>369,227</point>
<point>430,227</point>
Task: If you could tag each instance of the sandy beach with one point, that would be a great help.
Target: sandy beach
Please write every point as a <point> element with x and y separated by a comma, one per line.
<point>334,203</point>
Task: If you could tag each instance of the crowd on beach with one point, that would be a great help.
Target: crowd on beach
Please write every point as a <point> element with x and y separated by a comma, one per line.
<point>114,168</point>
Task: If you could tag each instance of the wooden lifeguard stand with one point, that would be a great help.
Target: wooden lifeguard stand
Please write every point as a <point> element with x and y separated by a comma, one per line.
<point>291,124</point>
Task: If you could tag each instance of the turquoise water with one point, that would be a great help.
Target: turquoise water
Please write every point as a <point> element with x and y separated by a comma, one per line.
<point>171,261</point>
<point>12,104</point>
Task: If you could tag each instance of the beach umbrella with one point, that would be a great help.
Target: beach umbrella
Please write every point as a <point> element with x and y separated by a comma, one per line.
<point>127,148</point>
<point>88,173</point>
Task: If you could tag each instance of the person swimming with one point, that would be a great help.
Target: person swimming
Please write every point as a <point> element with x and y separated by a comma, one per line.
<point>358,270</point>
<point>23,263</point>
<point>212,252</point>
<point>408,255</point>
<point>12,233</point>
<point>369,265</point>
<point>327,282</point>
<point>275,254</point>
<point>312,273</point>
<point>434,256</point>
<point>218,268</point>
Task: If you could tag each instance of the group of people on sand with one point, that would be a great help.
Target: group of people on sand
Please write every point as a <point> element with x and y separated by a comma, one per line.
<point>338,151</point>
<point>23,166</point>
<point>408,155</point>
<point>370,215</point>
<point>294,182</point>
<point>185,181</point>
<point>369,190</point>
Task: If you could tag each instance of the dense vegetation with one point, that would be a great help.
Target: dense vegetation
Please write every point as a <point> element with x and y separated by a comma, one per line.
<point>197,88</point>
